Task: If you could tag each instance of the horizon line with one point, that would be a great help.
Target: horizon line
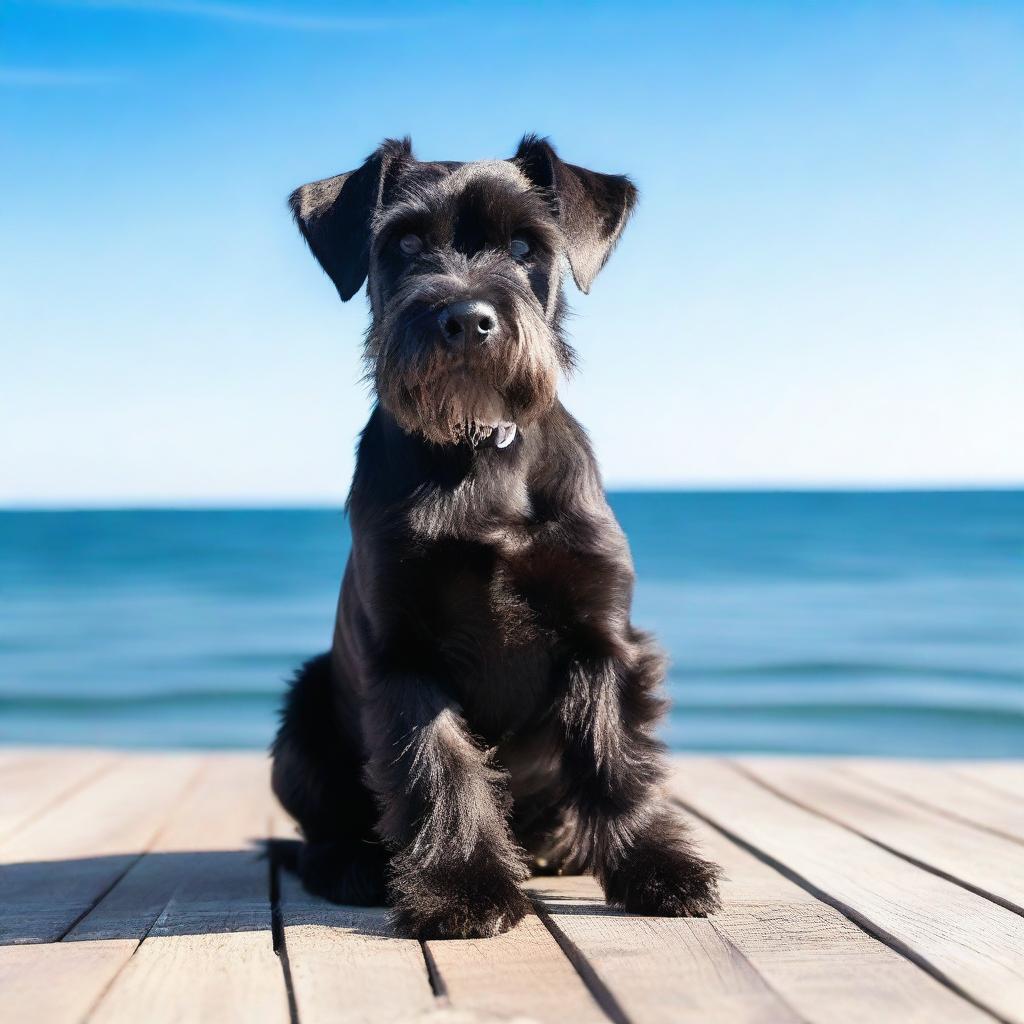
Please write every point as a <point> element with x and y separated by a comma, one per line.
<point>313,503</point>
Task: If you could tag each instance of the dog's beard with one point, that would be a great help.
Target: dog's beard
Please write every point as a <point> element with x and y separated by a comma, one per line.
<point>451,394</point>
<point>452,401</point>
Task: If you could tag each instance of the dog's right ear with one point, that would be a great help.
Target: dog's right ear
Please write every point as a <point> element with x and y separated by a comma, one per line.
<point>335,215</point>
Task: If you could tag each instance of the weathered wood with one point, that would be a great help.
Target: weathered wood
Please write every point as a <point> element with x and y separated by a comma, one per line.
<point>653,969</point>
<point>154,857</point>
<point>346,963</point>
<point>199,970</point>
<point>53,870</point>
<point>970,942</point>
<point>350,957</point>
<point>31,782</point>
<point>214,829</point>
<point>821,963</point>
<point>990,864</point>
<point>205,837</point>
<point>523,972</point>
<point>209,956</point>
<point>947,791</point>
<point>57,982</point>
<point>1005,776</point>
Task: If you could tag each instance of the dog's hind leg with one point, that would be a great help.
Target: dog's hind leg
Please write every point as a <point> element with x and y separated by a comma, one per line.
<point>317,776</point>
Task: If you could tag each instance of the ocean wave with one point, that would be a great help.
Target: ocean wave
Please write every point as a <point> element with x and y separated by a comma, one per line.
<point>684,702</point>
<point>838,669</point>
<point>96,702</point>
<point>839,711</point>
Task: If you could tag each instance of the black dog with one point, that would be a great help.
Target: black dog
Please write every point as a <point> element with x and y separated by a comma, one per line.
<point>487,704</point>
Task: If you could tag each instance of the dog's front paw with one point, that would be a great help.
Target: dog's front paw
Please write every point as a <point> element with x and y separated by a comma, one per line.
<point>664,882</point>
<point>462,902</point>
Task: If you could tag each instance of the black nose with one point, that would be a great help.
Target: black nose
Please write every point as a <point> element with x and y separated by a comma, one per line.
<point>467,321</point>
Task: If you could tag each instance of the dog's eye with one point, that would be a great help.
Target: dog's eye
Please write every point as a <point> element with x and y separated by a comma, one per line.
<point>519,247</point>
<point>411,244</point>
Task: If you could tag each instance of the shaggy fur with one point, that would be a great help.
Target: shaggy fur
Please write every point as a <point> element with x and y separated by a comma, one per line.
<point>486,707</point>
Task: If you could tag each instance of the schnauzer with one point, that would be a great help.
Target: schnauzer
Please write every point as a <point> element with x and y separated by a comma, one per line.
<point>486,707</point>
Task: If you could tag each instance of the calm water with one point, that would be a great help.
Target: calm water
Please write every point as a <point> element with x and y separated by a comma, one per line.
<point>840,623</point>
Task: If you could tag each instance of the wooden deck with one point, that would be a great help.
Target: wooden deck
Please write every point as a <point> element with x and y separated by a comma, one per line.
<point>132,889</point>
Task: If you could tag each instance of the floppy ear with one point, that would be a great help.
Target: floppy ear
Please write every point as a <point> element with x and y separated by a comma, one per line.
<point>334,215</point>
<point>592,208</point>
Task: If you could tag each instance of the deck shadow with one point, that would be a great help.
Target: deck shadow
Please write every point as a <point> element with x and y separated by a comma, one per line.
<point>122,896</point>
<point>190,892</point>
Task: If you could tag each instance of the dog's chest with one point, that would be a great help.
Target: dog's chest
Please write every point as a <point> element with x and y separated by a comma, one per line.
<point>489,617</point>
<point>497,593</point>
<point>482,604</point>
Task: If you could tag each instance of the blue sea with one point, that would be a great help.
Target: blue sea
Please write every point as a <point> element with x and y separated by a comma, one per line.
<point>825,622</point>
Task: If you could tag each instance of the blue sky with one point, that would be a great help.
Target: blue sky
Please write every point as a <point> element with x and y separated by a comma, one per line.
<point>824,283</point>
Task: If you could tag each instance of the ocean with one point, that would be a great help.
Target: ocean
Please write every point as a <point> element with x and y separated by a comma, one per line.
<point>885,623</point>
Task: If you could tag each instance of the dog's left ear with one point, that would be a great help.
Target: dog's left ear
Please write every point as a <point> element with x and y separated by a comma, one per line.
<point>335,215</point>
<point>592,208</point>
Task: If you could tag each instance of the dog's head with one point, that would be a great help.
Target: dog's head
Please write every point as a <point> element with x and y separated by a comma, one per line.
<point>464,268</point>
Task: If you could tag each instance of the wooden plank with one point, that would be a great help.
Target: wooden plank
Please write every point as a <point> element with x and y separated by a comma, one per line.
<point>200,967</point>
<point>55,869</point>
<point>523,972</point>
<point>17,752</point>
<point>57,982</point>
<point>115,927</point>
<point>990,864</point>
<point>948,791</point>
<point>346,963</point>
<point>1005,776</point>
<point>964,939</point>
<point>350,958</point>
<point>774,953</point>
<point>822,964</point>
<point>206,834</point>
<point>212,831</point>
<point>209,955</point>
<point>31,782</point>
<point>650,970</point>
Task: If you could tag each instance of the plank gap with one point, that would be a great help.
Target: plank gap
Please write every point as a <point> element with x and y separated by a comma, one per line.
<point>437,985</point>
<point>727,940</point>
<point>110,984</point>
<point>102,994</point>
<point>277,936</point>
<point>209,952</point>
<point>861,921</point>
<point>930,868</point>
<point>939,808</point>
<point>896,852</point>
<point>995,785</point>
<point>65,794</point>
<point>192,783</point>
<point>100,897</point>
<point>602,994</point>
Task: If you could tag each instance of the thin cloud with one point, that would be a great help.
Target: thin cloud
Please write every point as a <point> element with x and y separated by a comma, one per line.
<point>56,78</point>
<point>249,14</point>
